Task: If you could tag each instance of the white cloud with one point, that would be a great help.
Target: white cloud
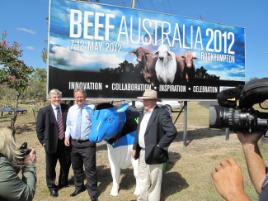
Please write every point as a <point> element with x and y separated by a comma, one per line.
<point>30,48</point>
<point>29,31</point>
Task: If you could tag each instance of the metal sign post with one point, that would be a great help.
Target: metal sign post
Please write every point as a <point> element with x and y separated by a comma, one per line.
<point>185,124</point>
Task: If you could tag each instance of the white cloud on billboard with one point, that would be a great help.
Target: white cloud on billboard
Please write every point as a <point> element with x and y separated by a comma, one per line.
<point>226,73</point>
<point>75,59</point>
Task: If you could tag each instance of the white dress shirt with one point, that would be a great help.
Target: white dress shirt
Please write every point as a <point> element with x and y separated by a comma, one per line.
<point>143,127</point>
<point>71,122</point>
<point>55,111</point>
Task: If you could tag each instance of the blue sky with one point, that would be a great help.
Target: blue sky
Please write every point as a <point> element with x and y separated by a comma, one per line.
<point>25,22</point>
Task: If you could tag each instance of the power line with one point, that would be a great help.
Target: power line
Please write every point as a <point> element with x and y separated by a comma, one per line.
<point>133,3</point>
<point>139,4</point>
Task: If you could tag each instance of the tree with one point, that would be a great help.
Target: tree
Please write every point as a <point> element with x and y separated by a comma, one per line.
<point>44,55</point>
<point>37,87</point>
<point>14,73</point>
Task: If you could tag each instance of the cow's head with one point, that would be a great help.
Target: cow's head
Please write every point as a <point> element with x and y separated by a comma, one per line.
<point>188,59</point>
<point>141,54</point>
<point>163,53</point>
<point>107,122</point>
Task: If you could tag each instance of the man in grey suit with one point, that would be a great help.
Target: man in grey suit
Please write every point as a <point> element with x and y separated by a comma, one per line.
<point>50,127</point>
<point>155,133</point>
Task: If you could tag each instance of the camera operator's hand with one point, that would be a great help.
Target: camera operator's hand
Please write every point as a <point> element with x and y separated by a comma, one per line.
<point>228,180</point>
<point>249,138</point>
<point>255,163</point>
<point>30,159</point>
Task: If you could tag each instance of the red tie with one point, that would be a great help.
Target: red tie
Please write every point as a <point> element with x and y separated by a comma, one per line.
<point>60,123</point>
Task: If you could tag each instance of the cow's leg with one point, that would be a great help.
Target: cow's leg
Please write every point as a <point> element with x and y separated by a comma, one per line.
<point>135,171</point>
<point>115,171</point>
<point>116,177</point>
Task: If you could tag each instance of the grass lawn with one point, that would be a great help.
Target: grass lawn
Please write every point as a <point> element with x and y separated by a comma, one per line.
<point>187,176</point>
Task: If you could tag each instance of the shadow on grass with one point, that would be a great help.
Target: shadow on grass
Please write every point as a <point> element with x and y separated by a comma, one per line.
<point>128,180</point>
<point>29,127</point>
<point>104,178</point>
<point>173,158</point>
<point>199,134</point>
<point>172,183</point>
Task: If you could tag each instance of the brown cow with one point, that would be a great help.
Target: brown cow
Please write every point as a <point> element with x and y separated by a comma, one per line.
<point>186,67</point>
<point>147,62</point>
<point>189,68</point>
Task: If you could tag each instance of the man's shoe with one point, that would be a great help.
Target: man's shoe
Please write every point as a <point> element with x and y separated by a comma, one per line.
<point>53,192</point>
<point>77,191</point>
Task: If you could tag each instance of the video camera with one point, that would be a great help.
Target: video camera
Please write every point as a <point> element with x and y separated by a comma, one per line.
<point>23,151</point>
<point>235,109</point>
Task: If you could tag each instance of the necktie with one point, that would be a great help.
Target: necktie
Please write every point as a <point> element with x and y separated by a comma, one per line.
<point>60,123</point>
<point>78,123</point>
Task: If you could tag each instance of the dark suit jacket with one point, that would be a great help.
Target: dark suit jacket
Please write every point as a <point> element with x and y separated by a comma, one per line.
<point>47,127</point>
<point>160,132</point>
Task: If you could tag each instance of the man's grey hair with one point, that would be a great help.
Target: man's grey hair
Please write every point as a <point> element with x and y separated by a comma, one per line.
<point>80,90</point>
<point>54,92</point>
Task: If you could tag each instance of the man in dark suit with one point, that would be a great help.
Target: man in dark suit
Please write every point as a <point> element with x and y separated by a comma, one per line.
<point>155,133</point>
<point>50,128</point>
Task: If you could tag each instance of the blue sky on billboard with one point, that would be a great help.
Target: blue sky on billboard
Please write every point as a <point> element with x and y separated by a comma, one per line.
<point>25,22</point>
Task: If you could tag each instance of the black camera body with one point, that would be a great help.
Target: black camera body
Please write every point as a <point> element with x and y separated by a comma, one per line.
<point>24,151</point>
<point>235,109</point>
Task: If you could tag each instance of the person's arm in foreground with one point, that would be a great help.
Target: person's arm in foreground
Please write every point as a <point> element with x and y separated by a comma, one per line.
<point>228,181</point>
<point>255,163</point>
<point>14,188</point>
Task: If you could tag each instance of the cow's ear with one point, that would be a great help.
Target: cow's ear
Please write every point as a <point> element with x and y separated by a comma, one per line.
<point>122,108</point>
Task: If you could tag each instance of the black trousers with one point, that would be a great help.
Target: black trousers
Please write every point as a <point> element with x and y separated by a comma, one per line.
<point>84,154</point>
<point>63,154</point>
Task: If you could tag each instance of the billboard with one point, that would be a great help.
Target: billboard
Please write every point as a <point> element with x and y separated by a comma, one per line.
<point>117,52</point>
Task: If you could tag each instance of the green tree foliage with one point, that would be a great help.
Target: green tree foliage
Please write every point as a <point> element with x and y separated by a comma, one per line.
<point>44,55</point>
<point>37,87</point>
<point>14,73</point>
